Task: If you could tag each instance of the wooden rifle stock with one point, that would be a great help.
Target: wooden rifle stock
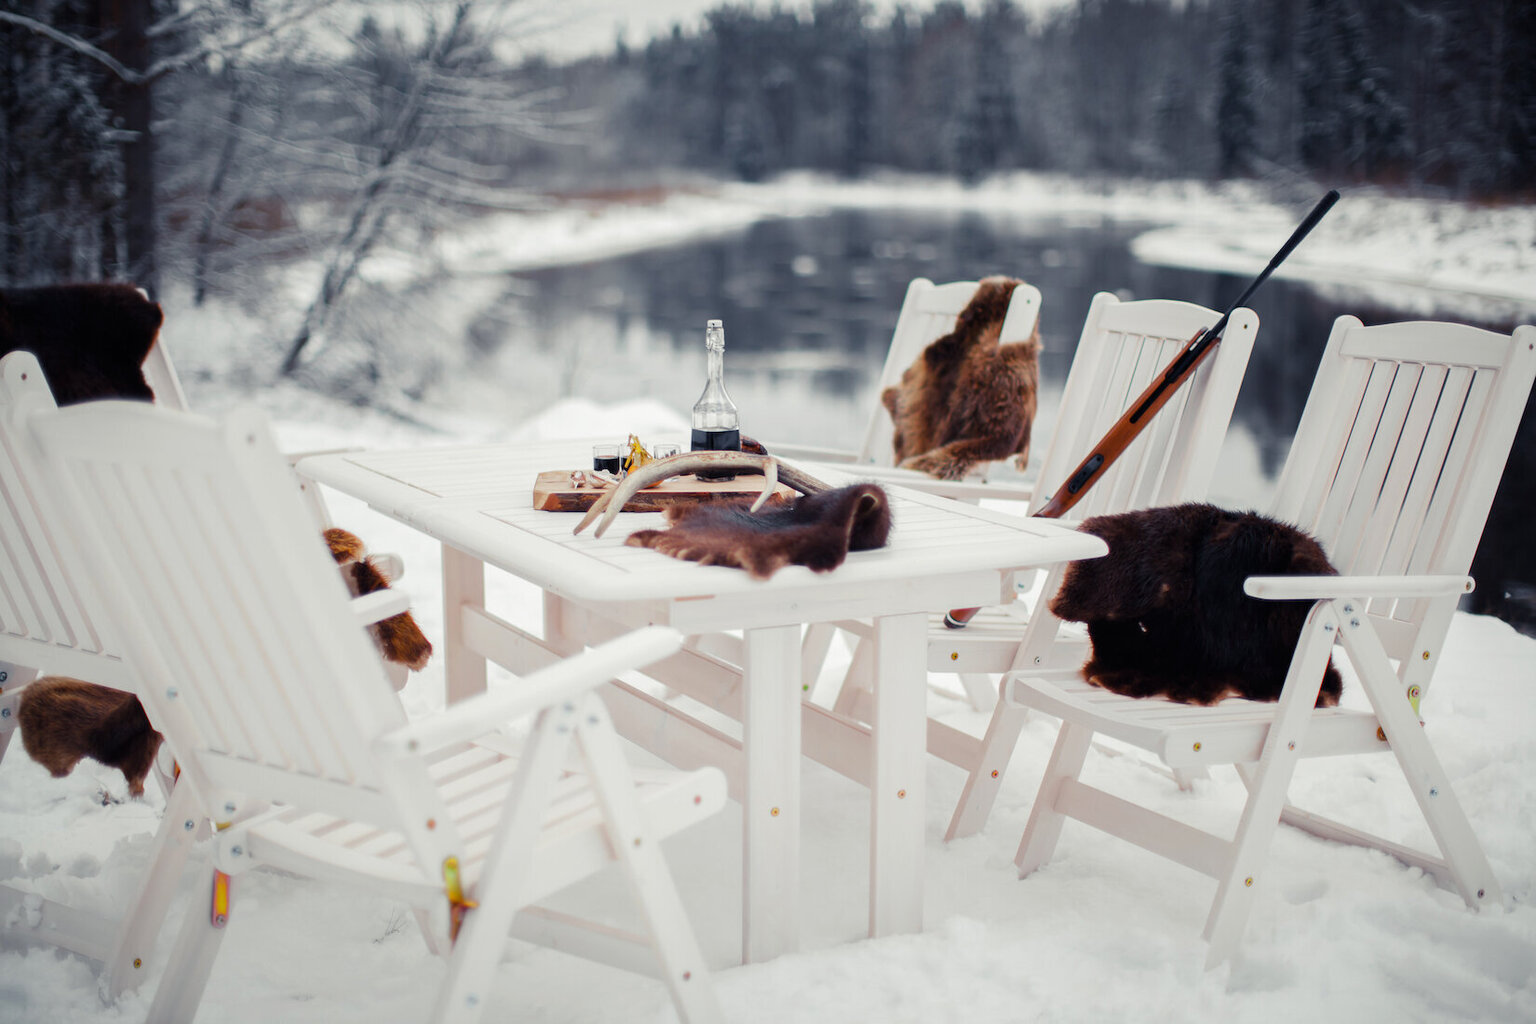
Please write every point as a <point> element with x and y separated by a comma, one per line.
<point>1131,423</point>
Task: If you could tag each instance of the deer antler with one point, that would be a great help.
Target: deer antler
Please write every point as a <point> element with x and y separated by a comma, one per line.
<point>611,502</point>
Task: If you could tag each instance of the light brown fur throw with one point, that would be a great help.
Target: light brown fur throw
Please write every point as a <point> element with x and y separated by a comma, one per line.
<point>817,531</point>
<point>967,399</point>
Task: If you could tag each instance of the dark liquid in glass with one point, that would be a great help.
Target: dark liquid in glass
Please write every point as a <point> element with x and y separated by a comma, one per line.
<point>607,465</point>
<point>716,441</point>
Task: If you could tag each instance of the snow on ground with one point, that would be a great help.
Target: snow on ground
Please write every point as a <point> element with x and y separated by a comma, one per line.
<point>1105,932</point>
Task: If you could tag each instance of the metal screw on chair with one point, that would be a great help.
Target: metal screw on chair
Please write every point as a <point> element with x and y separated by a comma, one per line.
<point>1479,894</point>
<point>236,851</point>
<point>1349,609</point>
<point>5,712</point>
<point>1433,791</point>
<point>229,808</point>
<point>189,825</point>
<point>1038,659</point>
<point>171,693</point>
<point>1248,881</point>
<point>1328,627</point>
<point>1354,623</point>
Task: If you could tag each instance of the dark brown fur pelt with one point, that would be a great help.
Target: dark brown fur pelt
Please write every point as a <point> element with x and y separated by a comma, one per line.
<point>90,339</point>
<point>817,531</point>
<point>398,637</point>
<point>63,720</point>
<point>967,399</point>
<point>1166,611</point>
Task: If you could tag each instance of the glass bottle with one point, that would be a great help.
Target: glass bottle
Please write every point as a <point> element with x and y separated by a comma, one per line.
<point>716,424</point>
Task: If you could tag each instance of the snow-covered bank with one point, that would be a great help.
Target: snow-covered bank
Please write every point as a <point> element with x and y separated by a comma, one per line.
<point>1455,258</point>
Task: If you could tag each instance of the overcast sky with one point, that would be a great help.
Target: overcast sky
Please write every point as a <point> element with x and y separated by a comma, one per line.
<point>574,28</point>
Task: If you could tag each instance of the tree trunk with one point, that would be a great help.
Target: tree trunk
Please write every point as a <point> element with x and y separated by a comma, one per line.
<point>126,24</point>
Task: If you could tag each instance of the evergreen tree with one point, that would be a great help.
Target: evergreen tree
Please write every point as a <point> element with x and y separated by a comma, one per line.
<point>1236,112</point>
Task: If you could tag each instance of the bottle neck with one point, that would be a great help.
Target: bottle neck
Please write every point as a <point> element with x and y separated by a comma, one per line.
<point>715,367</point>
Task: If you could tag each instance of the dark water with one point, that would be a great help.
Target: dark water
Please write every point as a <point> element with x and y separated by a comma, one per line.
<point>809,305</point>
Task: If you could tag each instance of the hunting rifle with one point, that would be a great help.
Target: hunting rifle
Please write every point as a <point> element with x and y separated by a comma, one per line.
<point>1157,394</point>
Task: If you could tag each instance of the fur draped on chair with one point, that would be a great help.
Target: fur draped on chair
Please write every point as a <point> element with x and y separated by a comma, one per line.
<point>967,399</point>
<point>817,531</point>
<point>90,339</point>
<point>1166,611</point>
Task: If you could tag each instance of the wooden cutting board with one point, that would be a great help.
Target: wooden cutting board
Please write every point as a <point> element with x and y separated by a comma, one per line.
<point>552,492</point>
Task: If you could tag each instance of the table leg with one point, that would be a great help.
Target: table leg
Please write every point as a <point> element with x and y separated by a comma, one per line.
<point>898,776</point>
<point>770,913</point>
<point>463,584</point>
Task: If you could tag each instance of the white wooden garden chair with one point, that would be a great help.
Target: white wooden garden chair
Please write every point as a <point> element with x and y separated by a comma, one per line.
<point>51,623</point>
<point>927,314</point>
<point>1393,469</point>
<point>288,733</point>
<point>51,620</point>
<point>1123,347</point>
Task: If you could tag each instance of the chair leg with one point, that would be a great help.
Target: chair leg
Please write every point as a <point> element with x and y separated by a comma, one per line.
<point>135,944</point>
<point>980,691</point>
<point>1270,783</point>
<point>1044,826</point>
<point>813,653</point>
<point>860,676</point>
<point>191,962</point>
<point>1464,857</point>
<point>13,680</point>
<point>480,942</point>
<point>986,776</point>
<point>682,963</point>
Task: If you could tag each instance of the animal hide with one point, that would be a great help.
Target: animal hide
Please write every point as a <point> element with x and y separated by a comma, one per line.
<point>817,531</point>
<point>1166,611</point>
<point>63,720</point>
<point>398,638</point>
<point>90,339</point>
<point>967,399</point>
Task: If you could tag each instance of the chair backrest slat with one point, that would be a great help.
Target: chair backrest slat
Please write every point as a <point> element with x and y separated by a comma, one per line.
<point>1399,453</point>
<point>47,607</point>
<point>927,314</point>
<point>232,601</point>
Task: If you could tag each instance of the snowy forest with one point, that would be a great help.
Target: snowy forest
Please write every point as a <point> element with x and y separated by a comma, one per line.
<point>148,140</point>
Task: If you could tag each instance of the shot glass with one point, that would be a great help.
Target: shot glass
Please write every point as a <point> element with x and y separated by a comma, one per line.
<point>664,450</point>
<point>605,458</point>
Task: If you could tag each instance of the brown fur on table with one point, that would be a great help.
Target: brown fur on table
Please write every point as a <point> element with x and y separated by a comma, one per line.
<point>817,531</point>
<point>967,399</point>
<point>1166,611</point>
<point>90,339</point>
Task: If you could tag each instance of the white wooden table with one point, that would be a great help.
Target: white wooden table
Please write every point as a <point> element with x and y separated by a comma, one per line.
<point>477,501</point>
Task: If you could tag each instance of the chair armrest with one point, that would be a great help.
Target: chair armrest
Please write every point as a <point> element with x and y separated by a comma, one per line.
<point>380,605</point>
<point>811,452</point>
<point>1293,588</point>
<point>564,680</point>
<point>295,457</point>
